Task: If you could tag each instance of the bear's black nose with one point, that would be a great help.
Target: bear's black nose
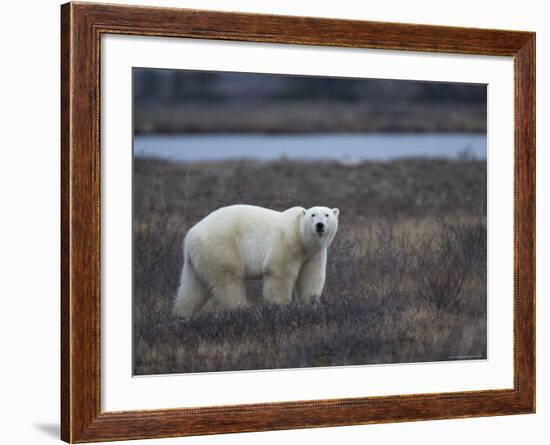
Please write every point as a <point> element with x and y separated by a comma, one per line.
<point>320,226</point>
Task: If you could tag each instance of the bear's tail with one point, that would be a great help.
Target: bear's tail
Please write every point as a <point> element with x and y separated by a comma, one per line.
<point>192,293</point>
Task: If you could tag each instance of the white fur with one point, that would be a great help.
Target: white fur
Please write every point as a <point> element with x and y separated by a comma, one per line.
<point>242,242</point>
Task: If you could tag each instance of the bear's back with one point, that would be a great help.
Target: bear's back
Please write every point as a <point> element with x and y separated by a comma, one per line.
<point>243,230</point>
<point>236,222</point>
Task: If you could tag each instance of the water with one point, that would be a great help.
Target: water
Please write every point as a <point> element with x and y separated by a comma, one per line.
<point>343,147</point>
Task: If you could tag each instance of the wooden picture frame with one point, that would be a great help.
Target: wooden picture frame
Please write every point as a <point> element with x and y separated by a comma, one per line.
<point>82,25</point>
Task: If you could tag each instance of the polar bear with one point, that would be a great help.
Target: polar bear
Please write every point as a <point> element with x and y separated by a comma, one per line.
<point>288,250</point>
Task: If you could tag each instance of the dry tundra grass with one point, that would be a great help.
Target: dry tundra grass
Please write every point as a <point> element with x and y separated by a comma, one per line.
<point>406,277</point>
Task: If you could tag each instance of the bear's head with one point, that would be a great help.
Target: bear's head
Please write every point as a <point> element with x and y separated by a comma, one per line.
<point>318,227</point>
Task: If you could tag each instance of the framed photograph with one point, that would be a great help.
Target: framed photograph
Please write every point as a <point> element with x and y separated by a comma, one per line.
<point>274,222</point>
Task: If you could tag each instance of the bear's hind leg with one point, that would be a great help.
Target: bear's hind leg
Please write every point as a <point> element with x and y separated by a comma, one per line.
<point>192,293</point>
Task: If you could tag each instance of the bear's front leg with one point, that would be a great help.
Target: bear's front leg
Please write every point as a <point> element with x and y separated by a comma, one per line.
<point>311,280</point>
<point>277,288</point>
<point>279,281</point>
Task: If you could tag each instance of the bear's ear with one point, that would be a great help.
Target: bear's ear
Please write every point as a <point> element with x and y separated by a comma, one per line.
<point>303,212</point>
<point>336,212</point>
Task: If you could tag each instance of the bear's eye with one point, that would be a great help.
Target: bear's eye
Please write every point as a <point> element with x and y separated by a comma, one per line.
<point>326,215</point>
<point>313,215</point>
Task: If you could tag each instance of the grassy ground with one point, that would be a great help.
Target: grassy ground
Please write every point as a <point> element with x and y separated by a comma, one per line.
<point>406,276</point>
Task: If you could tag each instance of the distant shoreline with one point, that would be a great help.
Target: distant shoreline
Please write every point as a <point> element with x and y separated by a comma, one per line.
<point>296,132</point>
<point>307,117</point>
